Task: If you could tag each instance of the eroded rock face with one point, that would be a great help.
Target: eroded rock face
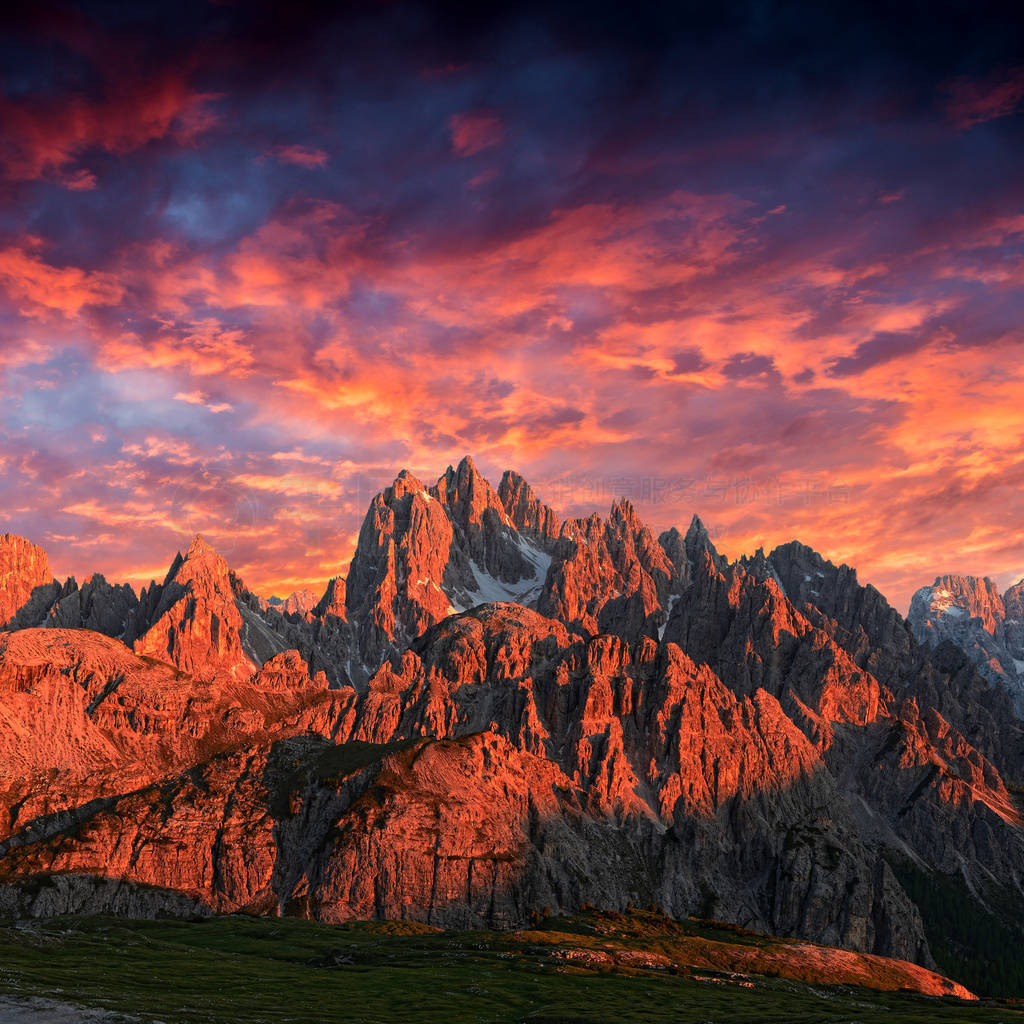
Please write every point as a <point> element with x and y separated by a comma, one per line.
<point>969,612</point>
<point>501,763</point>
<point>1013,603</point>
<point>610,577</point>
<point>105,720</point>
<point>333,600</point>
<point>23,568</point>
<point>530,516</point>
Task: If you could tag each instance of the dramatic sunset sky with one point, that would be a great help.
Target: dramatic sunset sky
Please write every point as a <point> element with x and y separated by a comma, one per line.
<point>757,263</point>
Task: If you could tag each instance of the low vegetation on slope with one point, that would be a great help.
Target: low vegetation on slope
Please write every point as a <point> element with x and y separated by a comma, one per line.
<point>592,969</point>
<point>979,946</point>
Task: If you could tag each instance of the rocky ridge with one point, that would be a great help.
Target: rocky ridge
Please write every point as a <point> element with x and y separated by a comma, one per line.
<point>495,712</point>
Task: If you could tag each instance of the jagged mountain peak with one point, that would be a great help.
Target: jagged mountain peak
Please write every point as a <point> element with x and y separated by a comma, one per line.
<point>699,546</point>
<point>624,512</point>
<point>193,620</point>
<point>589,692</point>
<point>697,533</point>
<point>956,594</point>
<point>584,531</point>
<point>418,561</point>
<point>609,575</point>
<point>204,565</point>
<point>200,548</point>
<point>333,600</point>
<point>513,480</point>
<point>405,483</point>
<point>970,612</point>
<point>468,494</point>
<point>464,475</point>
<point>528,513</point>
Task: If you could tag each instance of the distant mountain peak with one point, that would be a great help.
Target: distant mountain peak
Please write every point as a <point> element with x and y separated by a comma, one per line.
<point>200,548</point>
<point>986,625</point>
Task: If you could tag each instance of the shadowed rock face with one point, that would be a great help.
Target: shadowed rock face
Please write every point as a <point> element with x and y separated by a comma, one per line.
<point>97,605</point>
<point>969,612</point>
<point>537,719</point>
<point>530,516</point>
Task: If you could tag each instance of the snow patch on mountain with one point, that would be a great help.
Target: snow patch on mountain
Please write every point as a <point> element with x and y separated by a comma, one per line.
<point>489,590</point>
<point>672,598</point>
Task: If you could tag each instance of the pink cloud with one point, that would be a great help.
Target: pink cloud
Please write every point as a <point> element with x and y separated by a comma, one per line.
<point>972,102</point>
<point>42,138</point>
<point>473,132</point>
<point>301,156</point>
<point>40,289</point>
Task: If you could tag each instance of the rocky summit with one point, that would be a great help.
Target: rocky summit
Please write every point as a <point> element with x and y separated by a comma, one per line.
<point>496,712</point>
<point>970,612</point>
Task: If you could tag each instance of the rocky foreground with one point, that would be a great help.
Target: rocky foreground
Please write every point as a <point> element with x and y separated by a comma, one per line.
<point>493,713</point>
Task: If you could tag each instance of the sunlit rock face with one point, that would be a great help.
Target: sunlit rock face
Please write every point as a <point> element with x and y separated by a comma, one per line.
<point>493,712</point>
<point>191,620</point>
<point>427,552</point>
<point>23,568</point>
<point>970,612</point>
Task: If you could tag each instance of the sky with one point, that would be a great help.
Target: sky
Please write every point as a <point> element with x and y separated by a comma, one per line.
<point>756,261</point>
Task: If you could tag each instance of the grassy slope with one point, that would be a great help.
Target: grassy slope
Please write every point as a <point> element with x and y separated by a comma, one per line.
<point>238,969</point>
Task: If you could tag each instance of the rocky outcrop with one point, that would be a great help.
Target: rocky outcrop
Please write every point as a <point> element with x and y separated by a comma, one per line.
<point>969,612</point>
<point>82,707</point>
<point>299,603</point>
<point>530,516</point>
<point>192,619</point>
<point>870,624</point>
<point>39,600</point>
<point>23,568</point>
<point>499,764</point>
<point>912,733</point>
<point>1013,603</point>
<point>333,600</point>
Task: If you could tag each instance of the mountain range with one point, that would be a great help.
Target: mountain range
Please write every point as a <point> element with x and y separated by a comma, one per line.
<point>494,713</point>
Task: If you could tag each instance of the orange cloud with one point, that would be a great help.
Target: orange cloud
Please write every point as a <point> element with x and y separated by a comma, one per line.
<point>664,349</point>
<point>39,289</point>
